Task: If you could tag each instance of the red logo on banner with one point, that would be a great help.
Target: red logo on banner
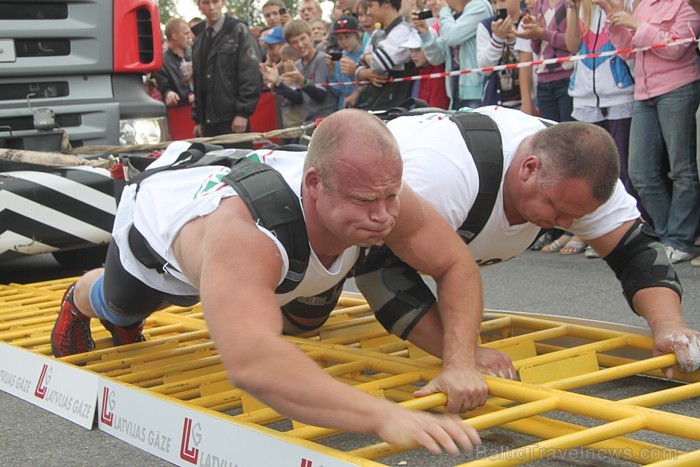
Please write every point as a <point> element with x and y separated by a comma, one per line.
<point>187,452</point>
<point>106,414</point>
<point>41,387</point>
<point>306,463</point>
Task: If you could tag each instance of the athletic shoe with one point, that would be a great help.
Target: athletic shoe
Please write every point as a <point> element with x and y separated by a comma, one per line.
<point>123,336</point>
<point>695,262</point>
<point>676,256</point>
<point>71,333</point>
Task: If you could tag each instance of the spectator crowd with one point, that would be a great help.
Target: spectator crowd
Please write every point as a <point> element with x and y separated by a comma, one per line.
<point>648,100</point>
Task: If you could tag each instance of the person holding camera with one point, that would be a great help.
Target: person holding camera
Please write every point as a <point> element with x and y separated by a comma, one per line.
<point>342,7</point>
<point>342,64</point>
<point>384,58</point>
<point>495,45</point>
<point>545,27</point>
<point>455,46</point>
<point>431,19</point>
<point>275,13</point>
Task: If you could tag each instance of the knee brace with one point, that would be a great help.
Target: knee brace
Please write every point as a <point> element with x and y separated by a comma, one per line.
<point>316,308</point>
<point>395,291</point>
<point>639,262</point>
<point>102,309</point>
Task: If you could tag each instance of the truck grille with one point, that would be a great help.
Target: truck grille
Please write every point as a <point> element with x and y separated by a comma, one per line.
<point>42,47</point>
<point>23,10</point>
<point>46,90</point>
<point>27,123</point>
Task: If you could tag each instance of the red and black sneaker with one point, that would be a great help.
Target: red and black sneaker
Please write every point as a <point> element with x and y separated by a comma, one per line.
<point>71,333</point>
<point>123,336</point>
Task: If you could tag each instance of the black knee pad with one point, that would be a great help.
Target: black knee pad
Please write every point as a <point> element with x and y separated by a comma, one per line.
<point>318,307</point>
<point>125,294</point>
<point>395,291</point>
<point>639,262</point>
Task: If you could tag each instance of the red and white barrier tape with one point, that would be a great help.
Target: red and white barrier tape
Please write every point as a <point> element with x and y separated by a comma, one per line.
<point>675,42</point>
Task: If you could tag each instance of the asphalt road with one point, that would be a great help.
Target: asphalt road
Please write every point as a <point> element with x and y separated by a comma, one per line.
<point>534,282</point>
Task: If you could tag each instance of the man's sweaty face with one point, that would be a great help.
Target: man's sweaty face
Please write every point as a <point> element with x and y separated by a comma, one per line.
<point>363,203</point>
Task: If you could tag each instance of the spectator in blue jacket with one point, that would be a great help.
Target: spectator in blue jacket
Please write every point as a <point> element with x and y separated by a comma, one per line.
<point>455,46</point>
<point>341,69</point>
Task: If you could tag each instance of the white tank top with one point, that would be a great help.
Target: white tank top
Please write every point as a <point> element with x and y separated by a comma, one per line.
<point>441,170</point>
<point>167,201</point>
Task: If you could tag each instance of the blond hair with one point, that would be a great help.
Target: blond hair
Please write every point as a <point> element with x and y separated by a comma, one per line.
<point>296,27</point>
<point>173,26</point>
<point>587,9</point>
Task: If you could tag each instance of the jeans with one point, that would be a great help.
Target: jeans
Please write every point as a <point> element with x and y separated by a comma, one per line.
<point>697,152</point>
<point>668,119</point>
<point>697,138</point>
<point>620,131</point>
<point>554,100</point>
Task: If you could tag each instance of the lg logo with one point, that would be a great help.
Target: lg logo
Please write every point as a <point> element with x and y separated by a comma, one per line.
<point>191,438</point>
<point>108,403</point>
<point>44,380</point>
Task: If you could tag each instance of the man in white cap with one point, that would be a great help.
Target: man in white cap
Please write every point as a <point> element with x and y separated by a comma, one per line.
<point>431,90</point>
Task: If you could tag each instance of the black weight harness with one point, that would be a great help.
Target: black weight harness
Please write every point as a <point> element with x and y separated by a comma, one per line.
<point>270,200</point>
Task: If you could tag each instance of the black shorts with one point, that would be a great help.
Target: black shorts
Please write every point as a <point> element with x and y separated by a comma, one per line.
<point>126,295</point>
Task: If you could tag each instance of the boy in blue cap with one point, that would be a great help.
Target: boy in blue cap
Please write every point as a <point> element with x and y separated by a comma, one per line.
<point>273,41</point>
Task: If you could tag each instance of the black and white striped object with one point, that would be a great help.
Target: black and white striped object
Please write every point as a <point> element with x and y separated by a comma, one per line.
<point>54,210</point>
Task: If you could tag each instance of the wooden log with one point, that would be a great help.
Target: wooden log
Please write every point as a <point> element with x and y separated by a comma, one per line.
<point>50,159</point>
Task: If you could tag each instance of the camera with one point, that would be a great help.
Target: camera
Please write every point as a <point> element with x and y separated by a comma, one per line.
<point>501,13</point>
<point>283,11</point>
<point>335,55</point>
<point>424,14</point>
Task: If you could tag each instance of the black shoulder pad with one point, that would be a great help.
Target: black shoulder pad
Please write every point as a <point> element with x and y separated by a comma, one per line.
<point>274,205</point>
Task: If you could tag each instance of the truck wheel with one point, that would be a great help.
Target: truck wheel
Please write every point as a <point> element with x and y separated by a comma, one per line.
<point>85,258</point>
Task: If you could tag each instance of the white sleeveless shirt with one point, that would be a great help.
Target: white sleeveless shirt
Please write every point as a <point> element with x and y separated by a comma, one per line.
<point>438,166</point>
<point>168,200</point>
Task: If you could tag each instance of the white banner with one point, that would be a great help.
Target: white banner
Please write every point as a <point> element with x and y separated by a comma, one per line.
<point>187,437</point>
<point>63,389</point>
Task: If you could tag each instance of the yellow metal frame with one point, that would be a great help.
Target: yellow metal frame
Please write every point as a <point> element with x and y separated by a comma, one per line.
<point>554,359</point>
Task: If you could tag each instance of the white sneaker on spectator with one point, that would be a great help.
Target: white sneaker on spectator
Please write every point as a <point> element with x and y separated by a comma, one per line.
<point>676,256</point>
<point>695,262</point>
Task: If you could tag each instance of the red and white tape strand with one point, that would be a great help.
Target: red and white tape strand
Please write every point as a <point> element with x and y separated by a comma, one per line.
<point>675,42</point>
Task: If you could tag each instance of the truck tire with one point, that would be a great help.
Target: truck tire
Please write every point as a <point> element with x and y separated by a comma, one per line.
<point>83,259</point>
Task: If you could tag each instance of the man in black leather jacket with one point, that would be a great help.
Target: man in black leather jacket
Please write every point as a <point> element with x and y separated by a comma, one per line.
<point>227,81</point>
<point>175,78</point>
